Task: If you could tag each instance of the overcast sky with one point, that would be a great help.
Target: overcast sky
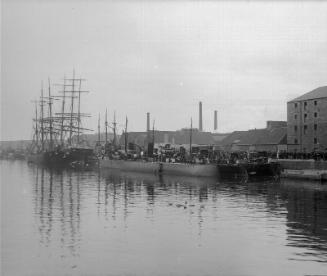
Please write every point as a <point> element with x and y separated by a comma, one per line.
<point>244,58</point>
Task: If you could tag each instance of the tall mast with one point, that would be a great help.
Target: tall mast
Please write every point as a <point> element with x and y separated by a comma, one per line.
<point>72,109</point>
<point>106,125</point>
<point>63,113</point>
<point>79,110</point>
<point>126,135</point>
<point>99,141</point>
<point>36,127</point>
<point>114,123</point>
<point>42,118</point>
<point>50,117</point>
<point>191,129</point>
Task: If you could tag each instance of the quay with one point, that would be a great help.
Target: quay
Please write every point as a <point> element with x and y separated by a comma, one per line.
<point>303,169</point>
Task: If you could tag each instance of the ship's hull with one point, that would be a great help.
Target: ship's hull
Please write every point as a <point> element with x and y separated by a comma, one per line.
<point>186,169</point>
<point>128,165</point>
<point>181,169</point>
<point>230,171</point>
<point>248,170</point>
<point>263,170</point>
<point>61,158</point>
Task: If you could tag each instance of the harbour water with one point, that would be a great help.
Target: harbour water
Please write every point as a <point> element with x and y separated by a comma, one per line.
<point>91,223</point>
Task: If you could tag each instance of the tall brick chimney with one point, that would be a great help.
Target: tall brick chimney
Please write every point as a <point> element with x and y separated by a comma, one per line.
<point>200,116</point>
<point>215,126</point>
<point>148,121</point>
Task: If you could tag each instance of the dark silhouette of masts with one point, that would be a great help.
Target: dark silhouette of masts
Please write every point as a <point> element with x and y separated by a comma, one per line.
<point>50,118</point>
<point>42,118</point>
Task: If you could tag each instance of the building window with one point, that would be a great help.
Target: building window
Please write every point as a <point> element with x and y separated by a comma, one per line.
<point>315,140</point>
<point>316,103</point>
<point>305,128</point>
<point>305,105</point>
<point>316,114</point>
<point>295,141</point>
<point>295,128</point>
<point>305,117</point>
<point>315,126</point>
<point>295,116</point>
<point>295,105</point>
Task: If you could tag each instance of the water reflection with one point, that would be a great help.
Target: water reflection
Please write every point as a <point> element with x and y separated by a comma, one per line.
<point>307,219</point>
<point>63,199</point>
<point>57,205</point>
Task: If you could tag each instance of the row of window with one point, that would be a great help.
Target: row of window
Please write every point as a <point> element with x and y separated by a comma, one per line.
<point>305,116</point>
<point>315,141</point>
<point>306,104</point>
<point>305,128</point>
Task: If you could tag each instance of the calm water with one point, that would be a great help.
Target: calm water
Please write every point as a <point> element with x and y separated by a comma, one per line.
<point>84,223</point>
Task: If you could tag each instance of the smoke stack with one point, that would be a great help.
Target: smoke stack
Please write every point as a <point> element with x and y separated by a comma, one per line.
<point>148,121</point>
<point>215,127</point>
<point>200,116</point>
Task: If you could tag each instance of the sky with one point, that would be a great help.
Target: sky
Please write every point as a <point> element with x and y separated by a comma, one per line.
<point>245,59</point>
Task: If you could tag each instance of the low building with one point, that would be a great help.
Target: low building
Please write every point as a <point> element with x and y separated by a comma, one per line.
<point>173,138</point>
<point>307,122</point>
<point>273,138</point>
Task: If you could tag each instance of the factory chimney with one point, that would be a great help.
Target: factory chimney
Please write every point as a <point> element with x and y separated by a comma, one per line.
<point>200,116</point>
<point>148,121</point>
<point>215,126</point>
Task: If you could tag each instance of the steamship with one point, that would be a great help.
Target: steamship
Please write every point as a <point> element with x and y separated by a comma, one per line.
<point>143,165</point>
<point>212,168</point>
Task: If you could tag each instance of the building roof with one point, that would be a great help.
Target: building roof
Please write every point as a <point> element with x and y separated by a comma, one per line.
<point>320,92</point>
<point>257,137</point>
<point>173,137</point>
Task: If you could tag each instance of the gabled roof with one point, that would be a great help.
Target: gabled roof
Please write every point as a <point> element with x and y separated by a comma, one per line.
<point>257,137</point>
<point>320,92</point>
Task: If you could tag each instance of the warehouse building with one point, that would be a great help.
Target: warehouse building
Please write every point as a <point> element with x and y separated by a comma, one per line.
<point>307,122</point>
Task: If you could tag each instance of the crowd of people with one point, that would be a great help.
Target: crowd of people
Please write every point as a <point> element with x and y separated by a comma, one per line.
<point>181,155</point>
<point>319,156</point>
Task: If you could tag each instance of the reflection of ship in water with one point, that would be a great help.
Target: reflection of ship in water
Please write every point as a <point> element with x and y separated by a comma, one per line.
<point>116,196</point>
<point>307,217</point>
<point>57,204</point>
<point>304,207</point>
<point>57,135</point>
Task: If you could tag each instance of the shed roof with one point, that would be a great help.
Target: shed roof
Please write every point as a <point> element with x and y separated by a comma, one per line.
<point>320,92</point>
<point>257,137</point>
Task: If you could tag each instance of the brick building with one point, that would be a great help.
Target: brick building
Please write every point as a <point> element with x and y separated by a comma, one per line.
<point>307,121</point>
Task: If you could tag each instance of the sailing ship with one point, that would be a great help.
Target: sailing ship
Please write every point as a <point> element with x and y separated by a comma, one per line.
<point>57,135</point>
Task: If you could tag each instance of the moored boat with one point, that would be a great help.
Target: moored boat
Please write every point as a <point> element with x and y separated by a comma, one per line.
<point>181,169</point>
<point>249,170</point>
<point>56,140</point>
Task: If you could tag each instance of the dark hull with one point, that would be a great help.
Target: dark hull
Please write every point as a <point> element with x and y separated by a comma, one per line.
<point>263,170</point>
<point>231,171</point>
<point>249,170</point>
<point>62,158</point>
